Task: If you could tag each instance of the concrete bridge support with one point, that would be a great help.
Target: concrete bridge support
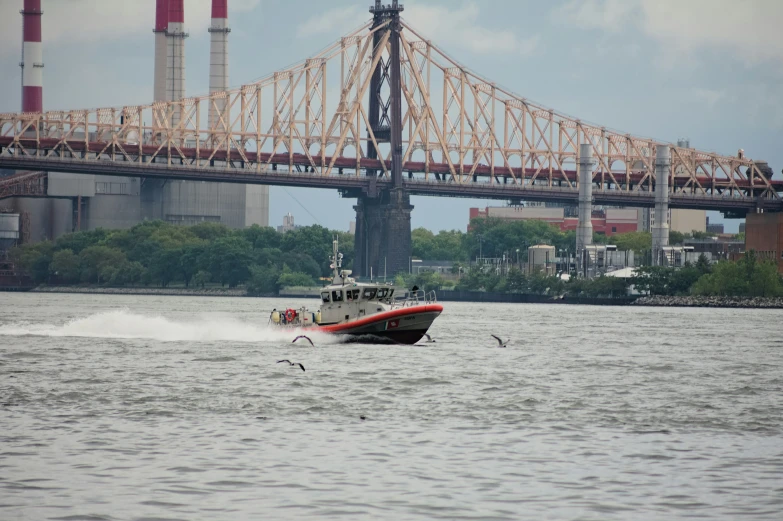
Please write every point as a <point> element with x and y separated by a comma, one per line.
<point>660,230</point>
<point>584,230</point>
<point>383,235</point>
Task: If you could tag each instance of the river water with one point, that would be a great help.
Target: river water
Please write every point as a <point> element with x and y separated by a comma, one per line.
<point>142,408</point>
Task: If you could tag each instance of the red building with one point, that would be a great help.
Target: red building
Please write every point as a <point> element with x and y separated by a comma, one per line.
<point>609,222</point>
<point>764,234</point>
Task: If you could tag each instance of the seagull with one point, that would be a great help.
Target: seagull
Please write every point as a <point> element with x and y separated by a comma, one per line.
<point>500,342</point>
<point>291,363</point>
<point>305,337</point>
<point>429,339</point>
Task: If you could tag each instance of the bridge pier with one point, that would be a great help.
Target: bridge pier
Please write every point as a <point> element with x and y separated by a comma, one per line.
<point>660,230</point>
<point>383,234</point>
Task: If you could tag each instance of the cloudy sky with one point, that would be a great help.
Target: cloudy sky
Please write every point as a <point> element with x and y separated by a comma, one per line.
<point>709,70</point>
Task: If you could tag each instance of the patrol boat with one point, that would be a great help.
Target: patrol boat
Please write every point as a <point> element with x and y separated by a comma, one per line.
<point>365,312</point>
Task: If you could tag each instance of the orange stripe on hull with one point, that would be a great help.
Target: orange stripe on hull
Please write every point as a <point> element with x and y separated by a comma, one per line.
<point>381,317</point>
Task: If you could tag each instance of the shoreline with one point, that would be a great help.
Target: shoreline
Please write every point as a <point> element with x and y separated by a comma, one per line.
<point>449,296</point>
<point>711,302</point>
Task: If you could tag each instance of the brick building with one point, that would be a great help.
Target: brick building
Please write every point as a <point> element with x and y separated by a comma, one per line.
<point>764,234</point>
<point>609,221</point>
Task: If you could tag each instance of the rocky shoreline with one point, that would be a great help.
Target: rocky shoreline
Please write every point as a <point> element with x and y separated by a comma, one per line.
<point>711,302</point>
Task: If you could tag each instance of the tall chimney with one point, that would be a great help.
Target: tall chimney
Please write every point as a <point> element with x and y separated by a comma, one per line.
<point>161,48</point>
<point>32,58</point>
<point>175,74</point>
<point>218,62</point>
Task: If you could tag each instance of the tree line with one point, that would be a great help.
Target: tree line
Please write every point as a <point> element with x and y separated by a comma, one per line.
<point>160,254</point>
<point>747,277</point>
<point>493,238</point>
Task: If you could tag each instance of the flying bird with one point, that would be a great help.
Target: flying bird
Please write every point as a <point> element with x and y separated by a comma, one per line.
<point>429,339</point>
<point>500,342</point>
<point>291,363</point>
<point>305,337</point>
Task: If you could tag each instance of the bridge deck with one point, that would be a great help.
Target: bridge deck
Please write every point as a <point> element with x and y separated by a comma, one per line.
<point>432,179</point>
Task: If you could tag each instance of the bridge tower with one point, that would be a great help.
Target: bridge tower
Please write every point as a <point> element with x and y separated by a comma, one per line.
<point>383,218</point>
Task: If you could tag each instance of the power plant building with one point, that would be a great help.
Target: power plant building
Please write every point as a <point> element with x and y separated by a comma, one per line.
<point>86,201</point>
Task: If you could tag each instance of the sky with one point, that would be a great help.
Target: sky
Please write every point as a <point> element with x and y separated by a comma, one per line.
<point>708,70</point>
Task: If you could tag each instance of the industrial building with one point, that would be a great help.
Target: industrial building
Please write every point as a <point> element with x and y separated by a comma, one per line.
<point>86,202</point>
<point>764,235</point>
<point>606,221</point>
<point>609,221</point>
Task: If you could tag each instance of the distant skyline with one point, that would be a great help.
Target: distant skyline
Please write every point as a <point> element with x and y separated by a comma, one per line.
<point>708,70</point>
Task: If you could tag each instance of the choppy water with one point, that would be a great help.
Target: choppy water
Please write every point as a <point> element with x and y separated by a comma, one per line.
<point>134,408</point>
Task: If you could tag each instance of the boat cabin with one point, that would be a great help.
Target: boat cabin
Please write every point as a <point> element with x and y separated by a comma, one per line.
<point>354,300</point>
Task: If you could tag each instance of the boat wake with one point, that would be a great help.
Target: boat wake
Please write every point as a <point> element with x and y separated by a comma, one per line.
<point>121,324</point>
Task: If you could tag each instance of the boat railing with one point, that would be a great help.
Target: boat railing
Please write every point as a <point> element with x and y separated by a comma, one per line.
<point>415,298</point>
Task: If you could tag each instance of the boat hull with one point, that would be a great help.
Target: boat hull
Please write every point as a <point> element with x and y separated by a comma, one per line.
<point>406,325</point>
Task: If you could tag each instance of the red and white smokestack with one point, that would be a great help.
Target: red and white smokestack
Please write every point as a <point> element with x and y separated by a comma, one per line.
<point>218,62</point>
<point>161,48</point>
<point>32,58</point>
<point>175,75</point>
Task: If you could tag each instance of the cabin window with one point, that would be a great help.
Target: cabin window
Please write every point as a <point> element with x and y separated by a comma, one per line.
<point>369,293</point>
<point>383,293</point>
<point>325,296</point>
<point>337,296</point>
<point>352,294</point>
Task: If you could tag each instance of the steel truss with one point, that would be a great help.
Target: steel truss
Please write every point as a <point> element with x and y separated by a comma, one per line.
<point>459,130</point>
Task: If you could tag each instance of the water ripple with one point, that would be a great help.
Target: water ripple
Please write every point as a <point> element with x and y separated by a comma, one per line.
<point>118,408</point>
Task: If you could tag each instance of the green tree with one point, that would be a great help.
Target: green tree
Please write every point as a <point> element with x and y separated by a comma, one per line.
<point>127,273</point>
<point>315,241</point>
<point>96,262</point>
<point>79,241</point>
<point>65,266</point>
<point>229,259</point>
<point>164,266</point>
<point>210,231</point>
<point>292,278</point>
<point>745,278</point>
<point>301,262</point>
<point>34,259</point>
<point>190,261</point>
<point>263,280</point>
<point>638,242</point>
<point>653,280</point>
<point>676,238</point>
<point>261,237</point>
<point>516,281</point>
<point>703,265</point>
<point>202,278</point>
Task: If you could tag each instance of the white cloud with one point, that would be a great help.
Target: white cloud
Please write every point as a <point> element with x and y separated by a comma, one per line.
<point>336,22</point>
<point>451,27</point>
<point>459,28</point>
<point>90,21</point>
<point>709,97</point>
<point>749,30</point>
<point>607,15</point>
<point>762,105</point>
